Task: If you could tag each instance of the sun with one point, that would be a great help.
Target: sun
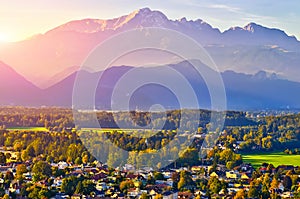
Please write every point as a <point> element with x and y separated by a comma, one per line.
<point>4,37</point>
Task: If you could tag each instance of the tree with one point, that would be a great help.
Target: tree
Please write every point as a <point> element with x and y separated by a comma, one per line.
<point>78,161</point>
<point>85,157</point>
<point>50,158</point>
<point>214,185</point>
<point>79,188</point>
<point>144,196</point>
<point>8,178</point>
<point>18,146</point>
<point>150,180</point>
<point>158,176</point>
<point>88,187</point>
<point>2,158</point>
<point>20,170</point>
<point>230,164</point>
<point>266,186</point>
<point>253,191</point>
<point>274,184</point>
<point>266,181</point>
<point>190,157</point>
<point>267,142</point>
<point>41,170</point>
<point>69,184</point>
<point>44,193</point>
<point>34,193</point>
<point>6,196</point>
<point>240,194</point>
<point>185,180</point>
<point>125,185</point>
<point>158,196</point>
<point>28,153</point>
<point>287,182</point>
<point>74,151</point>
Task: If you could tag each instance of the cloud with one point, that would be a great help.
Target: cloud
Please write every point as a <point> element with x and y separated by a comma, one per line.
<point>225,7</point>
<point>243,15</point>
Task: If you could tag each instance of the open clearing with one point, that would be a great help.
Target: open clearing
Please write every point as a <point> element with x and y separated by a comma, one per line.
<point>274,158</point>
<point>28,129</point>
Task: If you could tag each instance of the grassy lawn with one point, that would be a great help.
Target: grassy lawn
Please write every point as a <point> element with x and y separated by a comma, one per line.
<point>274,158</point>
<point>27,129</point>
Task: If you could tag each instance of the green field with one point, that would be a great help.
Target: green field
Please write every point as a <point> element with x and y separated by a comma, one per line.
<point>134,132</point>
<point>274,158</point>
<point>27,129</point>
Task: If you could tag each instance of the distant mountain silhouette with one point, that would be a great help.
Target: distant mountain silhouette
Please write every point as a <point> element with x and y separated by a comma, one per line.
<point>15,89</point>
<point>244,92</point>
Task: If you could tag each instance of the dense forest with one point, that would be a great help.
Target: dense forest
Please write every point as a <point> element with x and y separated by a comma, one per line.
<point>240,134</point>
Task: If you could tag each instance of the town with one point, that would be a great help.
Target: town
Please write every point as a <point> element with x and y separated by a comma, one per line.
<point>40,179</point>
<point>252,158</point>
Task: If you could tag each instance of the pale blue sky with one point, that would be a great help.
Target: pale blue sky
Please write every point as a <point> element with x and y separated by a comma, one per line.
<point>22,19</point>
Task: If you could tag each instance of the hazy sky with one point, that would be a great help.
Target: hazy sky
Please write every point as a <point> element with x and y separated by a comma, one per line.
<point>21,19</point>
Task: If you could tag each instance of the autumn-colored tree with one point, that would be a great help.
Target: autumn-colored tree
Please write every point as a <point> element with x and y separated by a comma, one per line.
<point>240,194</point>
<point>158,196</point>
<point>20,170</point>
<point>125,185</point>
<point>274,184</point>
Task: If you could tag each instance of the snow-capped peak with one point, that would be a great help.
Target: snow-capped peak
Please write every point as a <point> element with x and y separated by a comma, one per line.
<point>147,17</point>
<point>144,11</point>
<point>251,27</point>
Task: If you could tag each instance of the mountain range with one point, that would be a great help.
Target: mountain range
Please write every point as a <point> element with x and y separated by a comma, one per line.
<point>243,92</point>
<point>259,65</point>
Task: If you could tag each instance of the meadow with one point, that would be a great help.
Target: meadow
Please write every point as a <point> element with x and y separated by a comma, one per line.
<point>27,129</point>
<point>272,158</point>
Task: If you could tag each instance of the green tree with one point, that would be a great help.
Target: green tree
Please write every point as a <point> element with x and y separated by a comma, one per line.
<point>158,176</point>
<point>74,151</point>
<point>69,185</point>
<point>214,185</point>
<point>44,193</point>
<point>78,161</point>
<point>287,182</point>
<point>2,158</point>
<point>34,193</point>
<point>185,180</point>
<point>41,170</point>
<point>88,187</point>
<point>144,196</point>
<point>79,188</point>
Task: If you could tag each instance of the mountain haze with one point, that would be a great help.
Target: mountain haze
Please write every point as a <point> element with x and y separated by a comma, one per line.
<point>15,89</point>
<point>246,49</point>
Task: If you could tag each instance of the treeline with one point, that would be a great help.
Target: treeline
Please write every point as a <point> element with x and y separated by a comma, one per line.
<point>52,118</point>
<point>48,146</point>
<point>58,119</point>
<point>270,134</point>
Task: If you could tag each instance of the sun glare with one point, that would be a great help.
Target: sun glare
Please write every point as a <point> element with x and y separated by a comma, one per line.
<point>4,37</point>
